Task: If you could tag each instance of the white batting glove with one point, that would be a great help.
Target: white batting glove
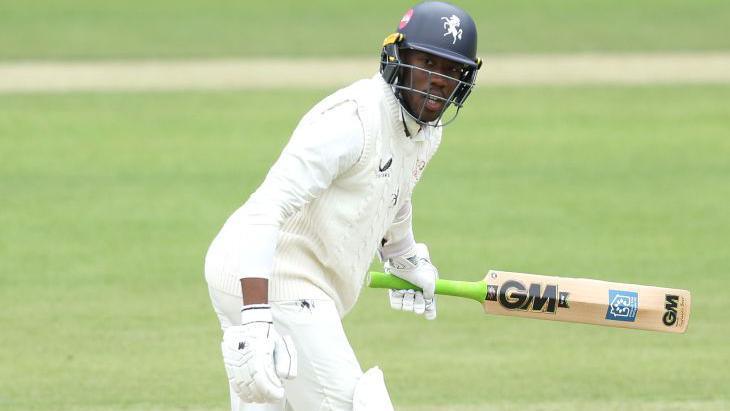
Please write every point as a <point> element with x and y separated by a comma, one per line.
<point>415,267</point>
<point>257,357</point>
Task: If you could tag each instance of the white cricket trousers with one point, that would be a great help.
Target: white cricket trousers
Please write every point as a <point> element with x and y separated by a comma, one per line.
<point>328,370</point>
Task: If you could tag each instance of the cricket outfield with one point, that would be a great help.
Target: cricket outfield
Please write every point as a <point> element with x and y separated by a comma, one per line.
<point>109,199</point>
<point>281,73</point>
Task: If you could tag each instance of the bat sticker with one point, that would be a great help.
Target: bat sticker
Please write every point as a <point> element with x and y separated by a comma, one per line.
<point>492,292</point>
<point>622,305</point>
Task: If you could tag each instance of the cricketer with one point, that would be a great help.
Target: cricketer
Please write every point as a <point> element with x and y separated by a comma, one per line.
<point>290,262</point>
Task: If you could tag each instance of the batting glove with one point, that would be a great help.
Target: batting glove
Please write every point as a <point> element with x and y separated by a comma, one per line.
<point>415,267</point>
<point>257,357</point>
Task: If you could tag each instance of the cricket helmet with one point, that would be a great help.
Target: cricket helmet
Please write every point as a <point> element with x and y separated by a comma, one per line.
<point>440,29</point>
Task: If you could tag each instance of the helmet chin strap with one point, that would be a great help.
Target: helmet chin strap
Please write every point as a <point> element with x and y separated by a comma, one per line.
<point>403,110</point>
<point>405,126</point>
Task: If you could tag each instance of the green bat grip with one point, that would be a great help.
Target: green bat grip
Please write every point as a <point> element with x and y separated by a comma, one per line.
<point>475,290</point>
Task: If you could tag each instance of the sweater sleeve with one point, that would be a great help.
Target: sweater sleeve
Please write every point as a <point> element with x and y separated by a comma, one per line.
<point>323,146</point>
<point>399,237</point>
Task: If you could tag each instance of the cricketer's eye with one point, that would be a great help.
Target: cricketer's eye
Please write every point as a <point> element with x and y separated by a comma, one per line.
<point>457,70</point>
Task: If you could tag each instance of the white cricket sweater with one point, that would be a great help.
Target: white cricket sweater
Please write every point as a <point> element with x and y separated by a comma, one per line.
<point>342,184</point>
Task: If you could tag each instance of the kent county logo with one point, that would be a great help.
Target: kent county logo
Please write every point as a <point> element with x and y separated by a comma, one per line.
<point>622,305</point>
<point>451,25</point>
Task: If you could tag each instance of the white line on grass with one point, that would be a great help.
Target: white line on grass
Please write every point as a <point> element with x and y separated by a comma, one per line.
<point>632,405</point>
<point>547,405</point>
<point>227,74</point>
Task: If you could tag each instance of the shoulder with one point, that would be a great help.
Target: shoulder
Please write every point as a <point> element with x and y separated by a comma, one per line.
<point>352,112</point>
<point>332,131</point>
<point>359,92</point>
<point>354,106</point>
<point>336,117</point>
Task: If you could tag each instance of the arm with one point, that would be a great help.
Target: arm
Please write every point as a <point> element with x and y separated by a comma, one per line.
<point>404,258</point>
<point>256,290</point>
<point>322,147</point>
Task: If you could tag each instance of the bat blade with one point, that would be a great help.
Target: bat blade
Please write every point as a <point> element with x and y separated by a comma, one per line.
<point>566,299</point>
<point>587,301</point>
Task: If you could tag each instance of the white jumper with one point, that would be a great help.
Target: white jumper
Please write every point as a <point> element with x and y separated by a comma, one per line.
<point>341,186</point>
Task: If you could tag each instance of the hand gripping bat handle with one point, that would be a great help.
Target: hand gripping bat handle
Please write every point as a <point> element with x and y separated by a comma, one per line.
<point>475,290</point>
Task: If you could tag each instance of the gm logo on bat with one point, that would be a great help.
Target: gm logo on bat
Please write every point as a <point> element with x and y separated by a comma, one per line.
<point>622,305</point>
<point>670,314</point>
<point>516,296</point>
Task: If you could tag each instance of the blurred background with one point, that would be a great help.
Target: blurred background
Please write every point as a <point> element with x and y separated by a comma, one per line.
<point>596,146</point>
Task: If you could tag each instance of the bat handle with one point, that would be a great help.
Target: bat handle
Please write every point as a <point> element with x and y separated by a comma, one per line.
<point>475,290</point>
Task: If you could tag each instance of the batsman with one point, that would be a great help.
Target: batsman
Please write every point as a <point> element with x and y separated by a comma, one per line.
<point>291,261</point>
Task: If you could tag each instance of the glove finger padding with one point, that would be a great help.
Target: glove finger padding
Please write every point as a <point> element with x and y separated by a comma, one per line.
<point>429,311</point>
<point>409,300</point>
<point>396,299</point>
<point>419,304</point>
<point>409,297</point>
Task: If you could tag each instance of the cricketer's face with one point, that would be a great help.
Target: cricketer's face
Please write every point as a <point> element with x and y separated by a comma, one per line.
<point>441,82</point>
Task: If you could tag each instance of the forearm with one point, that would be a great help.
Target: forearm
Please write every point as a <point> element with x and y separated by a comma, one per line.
<point>255,290</point>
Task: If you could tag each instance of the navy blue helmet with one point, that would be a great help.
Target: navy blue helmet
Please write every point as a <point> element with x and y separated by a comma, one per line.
<point>440,29</point>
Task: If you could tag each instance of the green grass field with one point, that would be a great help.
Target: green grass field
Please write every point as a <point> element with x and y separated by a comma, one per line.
<point>84,29</point>
<point>109,202</point>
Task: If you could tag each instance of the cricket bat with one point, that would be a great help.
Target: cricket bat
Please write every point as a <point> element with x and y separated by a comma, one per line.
<point>578,300</point>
